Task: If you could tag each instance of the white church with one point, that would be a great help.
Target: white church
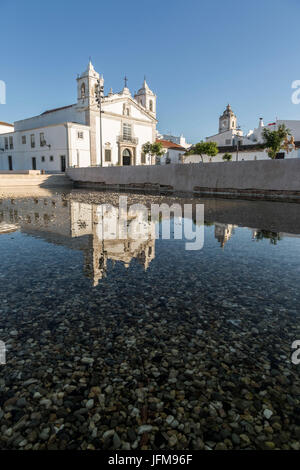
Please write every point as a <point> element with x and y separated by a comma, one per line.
<point>70,136</point>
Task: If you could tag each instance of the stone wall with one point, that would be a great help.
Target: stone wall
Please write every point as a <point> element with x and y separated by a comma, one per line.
<point>273,178</point>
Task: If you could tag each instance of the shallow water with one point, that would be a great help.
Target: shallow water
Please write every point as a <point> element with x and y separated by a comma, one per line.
<point>118,334</point>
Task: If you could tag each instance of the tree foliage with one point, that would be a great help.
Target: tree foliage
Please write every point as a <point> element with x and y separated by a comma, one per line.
<point>274,140</point>
<point>227,157</point>
<point>205,148</point>
<point>155,150</point>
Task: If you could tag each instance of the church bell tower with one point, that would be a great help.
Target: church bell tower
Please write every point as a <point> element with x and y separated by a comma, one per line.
<point>86,86</point>
<point>228,120</point>
<point>146,98</point>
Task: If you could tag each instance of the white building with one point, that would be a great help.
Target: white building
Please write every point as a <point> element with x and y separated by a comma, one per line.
<point>230,139</point>
<point>70,136</point>
<point>173,152</point>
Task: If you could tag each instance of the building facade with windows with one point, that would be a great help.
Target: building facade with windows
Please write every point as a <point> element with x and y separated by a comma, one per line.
<point>231,139</point>
<point>70,136</point>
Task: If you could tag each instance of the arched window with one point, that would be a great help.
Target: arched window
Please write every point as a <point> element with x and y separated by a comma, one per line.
<point>232,123</point>
<point>82,92</point>
<point>151,105</point>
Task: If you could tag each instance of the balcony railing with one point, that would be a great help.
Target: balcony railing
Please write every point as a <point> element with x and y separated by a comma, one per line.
<point>125,139</point>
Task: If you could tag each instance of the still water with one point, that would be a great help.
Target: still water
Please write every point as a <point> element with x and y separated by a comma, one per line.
<point>141,344</point>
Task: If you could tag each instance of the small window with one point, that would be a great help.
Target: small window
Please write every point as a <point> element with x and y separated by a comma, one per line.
<point>23,139</point>
<point>228,142</point>
<point>11,142</point>
<point>32,141</point>
<point>82,91</point>
<point>108,155</point>
<point>80,135</point>
<point>43,159</point>
<point>151,105</point>
<point>42,139</point>
<point>6,143</point>
<point>51,158</point>
<point>143,159</point>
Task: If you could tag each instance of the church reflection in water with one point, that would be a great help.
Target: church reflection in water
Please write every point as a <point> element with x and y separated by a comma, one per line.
<point>79,226</point>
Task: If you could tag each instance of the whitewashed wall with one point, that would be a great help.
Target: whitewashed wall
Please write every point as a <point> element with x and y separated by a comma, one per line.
<point>243,156</point>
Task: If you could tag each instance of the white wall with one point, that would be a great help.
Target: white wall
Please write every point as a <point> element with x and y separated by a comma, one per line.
<point>242,156</point>
<point>173,155</point>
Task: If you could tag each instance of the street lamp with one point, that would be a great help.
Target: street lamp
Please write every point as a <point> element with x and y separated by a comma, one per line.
<point>237,143</point>
<point>99,96</point>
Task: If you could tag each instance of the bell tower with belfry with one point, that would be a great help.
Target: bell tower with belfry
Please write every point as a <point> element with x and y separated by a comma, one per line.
<point>228,120</point>
<point>86,100</point>
<point>146,98</point>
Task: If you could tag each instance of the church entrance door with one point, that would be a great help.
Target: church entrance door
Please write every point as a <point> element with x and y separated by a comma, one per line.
<point>126,157</point>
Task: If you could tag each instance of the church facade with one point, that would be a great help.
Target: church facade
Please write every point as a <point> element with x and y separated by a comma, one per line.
<point>71,136</point>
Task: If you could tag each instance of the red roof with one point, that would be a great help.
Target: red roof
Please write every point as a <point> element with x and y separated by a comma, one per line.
<point>6,124</point>
<point>167,144</point>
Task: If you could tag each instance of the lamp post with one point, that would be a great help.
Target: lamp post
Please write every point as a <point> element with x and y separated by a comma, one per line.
<point>99,96</point>
<point>237,143</point>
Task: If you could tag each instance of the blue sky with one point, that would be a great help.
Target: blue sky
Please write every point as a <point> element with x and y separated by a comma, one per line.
<point>197,56</point>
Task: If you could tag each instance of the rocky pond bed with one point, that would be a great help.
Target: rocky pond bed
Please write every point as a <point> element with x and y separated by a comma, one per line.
<point>151,376</point>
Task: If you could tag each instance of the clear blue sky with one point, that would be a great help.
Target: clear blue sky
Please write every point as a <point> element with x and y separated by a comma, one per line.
<point>197,56</point>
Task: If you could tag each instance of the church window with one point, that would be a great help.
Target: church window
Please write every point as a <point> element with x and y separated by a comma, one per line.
<point>6,143</point>
<point>51,158</point>
<point>127,131</point>
<point>151,105</point>
<point>11,142</point>
<point>23,139</point>
<point>43,159</point>
<point>82,92</point>
<point>80,135</point>
<point>232,123</point>
<point>32,140</point>
<point>107,155</point>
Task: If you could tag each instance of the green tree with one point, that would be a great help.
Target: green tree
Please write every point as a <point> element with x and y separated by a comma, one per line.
<point>274,237</point>
<point>206,148</point>
<point>274,140</point>
<point>227,157</point>
<point>155,150</point>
